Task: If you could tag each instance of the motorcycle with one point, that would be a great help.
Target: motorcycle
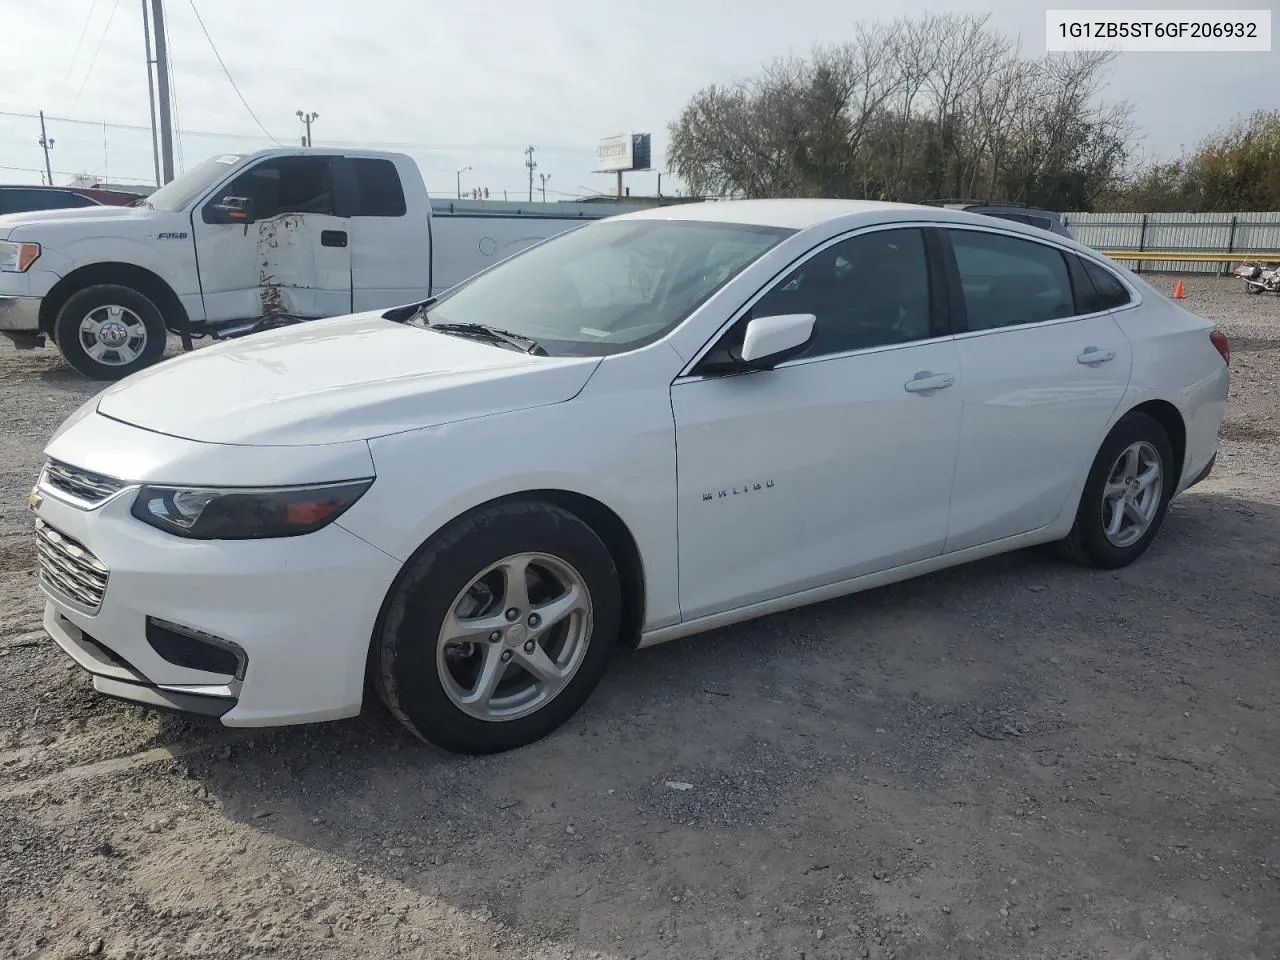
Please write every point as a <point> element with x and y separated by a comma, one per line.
<point>1259,277</point>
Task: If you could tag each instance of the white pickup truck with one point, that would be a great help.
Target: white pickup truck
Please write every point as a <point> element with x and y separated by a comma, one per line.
<point>245,241</point>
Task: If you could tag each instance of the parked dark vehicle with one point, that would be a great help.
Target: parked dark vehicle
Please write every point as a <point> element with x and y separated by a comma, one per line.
<point>26,197</point>
<point>1017,212</point>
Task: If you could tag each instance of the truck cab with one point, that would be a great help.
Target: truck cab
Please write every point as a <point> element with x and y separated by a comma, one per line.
<point>285,235</point>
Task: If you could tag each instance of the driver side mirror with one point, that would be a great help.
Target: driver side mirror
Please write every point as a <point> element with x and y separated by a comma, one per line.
<point>766,342</point>
<point>230,210</point>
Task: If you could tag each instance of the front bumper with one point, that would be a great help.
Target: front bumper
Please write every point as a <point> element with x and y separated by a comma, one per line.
<point>297,613</point>
<point>20,314</point>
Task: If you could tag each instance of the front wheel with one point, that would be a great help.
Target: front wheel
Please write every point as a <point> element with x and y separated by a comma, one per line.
<point>499,630</point>
<point>1126,495</point>
<point>109,331</point>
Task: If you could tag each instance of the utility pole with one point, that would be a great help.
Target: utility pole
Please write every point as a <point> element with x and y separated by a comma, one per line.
<point>532,165</point>
<point>544,177</point>
<point>460,173</point>
<point>46,144</point>
<point>307,118</point>
<point>151,91</point>
<point>162,81</point>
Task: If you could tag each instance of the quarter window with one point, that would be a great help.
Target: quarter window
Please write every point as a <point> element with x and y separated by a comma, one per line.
<point>868,291</point>
<point>1008,281</point>
<point>1109,291</point>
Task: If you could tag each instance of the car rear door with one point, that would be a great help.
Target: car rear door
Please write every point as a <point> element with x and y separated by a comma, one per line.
<point>834,464</point>
<point>1041,373</point>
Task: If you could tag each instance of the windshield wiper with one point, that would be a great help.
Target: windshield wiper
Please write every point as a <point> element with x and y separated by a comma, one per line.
<point>492,334</point>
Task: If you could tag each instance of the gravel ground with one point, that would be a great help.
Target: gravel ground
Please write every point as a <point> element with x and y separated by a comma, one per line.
<point>1019,758</point>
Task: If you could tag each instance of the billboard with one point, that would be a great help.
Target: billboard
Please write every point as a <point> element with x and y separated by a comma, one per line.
<point>626,151</point>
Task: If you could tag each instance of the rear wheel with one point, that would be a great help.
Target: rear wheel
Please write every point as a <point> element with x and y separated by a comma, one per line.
<point>108,331</point>
<point>1125,496</point>
<point>499,630</point>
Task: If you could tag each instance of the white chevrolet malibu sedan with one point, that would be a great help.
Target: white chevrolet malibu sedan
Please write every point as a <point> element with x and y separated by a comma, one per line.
<point>647,427</point>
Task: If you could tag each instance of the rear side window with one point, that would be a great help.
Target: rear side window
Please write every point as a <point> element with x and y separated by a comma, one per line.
<point>1008,281</point>
<point>1109,292</point>
<point>378,185</point>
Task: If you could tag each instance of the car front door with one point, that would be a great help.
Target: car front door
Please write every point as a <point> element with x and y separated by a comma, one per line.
<point>294,258</point>
<point>1041,374</point>
<point>837,462</point>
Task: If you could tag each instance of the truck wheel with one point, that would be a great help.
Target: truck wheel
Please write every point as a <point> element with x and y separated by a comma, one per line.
<point>107,331</point>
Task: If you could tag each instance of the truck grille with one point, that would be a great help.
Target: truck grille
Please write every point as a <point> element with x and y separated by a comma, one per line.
<point>84,485</point>
<point>69,569</point>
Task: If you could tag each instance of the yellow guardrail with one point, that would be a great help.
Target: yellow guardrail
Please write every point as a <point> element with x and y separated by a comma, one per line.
<point>1190,257</point>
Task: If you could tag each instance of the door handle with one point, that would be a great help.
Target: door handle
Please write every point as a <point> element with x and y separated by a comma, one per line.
<point>1093,355</point>
<point>927,382</point>
<point>333,238</point>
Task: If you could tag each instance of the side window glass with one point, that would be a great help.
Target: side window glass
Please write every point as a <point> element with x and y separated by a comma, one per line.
<point>286,185</point>
<point>1009,281</point>
<point>1111,293</point>
<point>378,183</point>
<point>868,291</point>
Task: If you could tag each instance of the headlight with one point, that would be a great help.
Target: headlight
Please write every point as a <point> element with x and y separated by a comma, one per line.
<point>241,513</point>
<point>16,257</point>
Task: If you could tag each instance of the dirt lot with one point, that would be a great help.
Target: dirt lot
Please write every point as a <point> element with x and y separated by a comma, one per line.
<point>1015,759</point>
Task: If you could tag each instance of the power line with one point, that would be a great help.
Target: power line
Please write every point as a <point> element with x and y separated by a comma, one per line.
<point>84,29</point>
<point>390,145</point>
<point>214,48</point>
<point>96,50</point>
<point>71,173</point>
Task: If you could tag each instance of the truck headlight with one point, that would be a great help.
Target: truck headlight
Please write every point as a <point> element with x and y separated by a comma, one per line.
<point>240,513</point>
<point>17,257</point>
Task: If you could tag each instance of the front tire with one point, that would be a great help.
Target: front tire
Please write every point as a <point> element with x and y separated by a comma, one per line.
<point>109,331</point>
<point>1126,495</point>
<point>497,632</point>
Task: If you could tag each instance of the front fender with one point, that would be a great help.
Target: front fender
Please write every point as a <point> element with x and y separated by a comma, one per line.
<point>618,450</point>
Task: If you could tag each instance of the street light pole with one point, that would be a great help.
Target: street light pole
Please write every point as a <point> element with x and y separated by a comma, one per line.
<point>306,118</point>
<point>460,173</point>
<point>544,177</point>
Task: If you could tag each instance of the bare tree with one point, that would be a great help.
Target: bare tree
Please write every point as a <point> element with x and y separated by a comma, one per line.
<point>908,110</point>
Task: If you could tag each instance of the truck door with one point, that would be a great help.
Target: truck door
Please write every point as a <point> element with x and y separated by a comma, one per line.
<point>390,250</point>
<point>294,257</point>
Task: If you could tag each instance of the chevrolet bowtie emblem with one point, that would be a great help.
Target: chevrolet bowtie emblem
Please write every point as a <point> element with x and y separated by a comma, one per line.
<point>34,499</point>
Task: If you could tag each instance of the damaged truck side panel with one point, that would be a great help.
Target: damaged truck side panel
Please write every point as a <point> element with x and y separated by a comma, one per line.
<point>249,241</point>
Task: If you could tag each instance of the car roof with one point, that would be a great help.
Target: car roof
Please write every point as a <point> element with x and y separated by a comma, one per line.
<point>807,214</point>
<point>795,214</point>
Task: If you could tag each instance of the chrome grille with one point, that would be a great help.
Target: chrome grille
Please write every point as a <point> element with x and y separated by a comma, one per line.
<point>83,485</point>
<point>69,569</point>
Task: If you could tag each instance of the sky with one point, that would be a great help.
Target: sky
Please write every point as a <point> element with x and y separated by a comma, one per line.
<point>473,84</point>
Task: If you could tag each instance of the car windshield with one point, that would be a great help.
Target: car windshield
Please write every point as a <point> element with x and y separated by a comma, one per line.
<point>176,194</point>
<point>608,287</point>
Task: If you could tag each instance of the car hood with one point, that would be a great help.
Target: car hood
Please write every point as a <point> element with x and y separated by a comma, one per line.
<point>332,381</point>
<point>75,215</point>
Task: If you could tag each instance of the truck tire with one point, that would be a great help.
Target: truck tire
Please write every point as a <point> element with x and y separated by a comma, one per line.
<point>108,331</point>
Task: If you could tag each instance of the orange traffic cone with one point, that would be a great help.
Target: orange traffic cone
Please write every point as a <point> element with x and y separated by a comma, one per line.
<point>1177,291</point>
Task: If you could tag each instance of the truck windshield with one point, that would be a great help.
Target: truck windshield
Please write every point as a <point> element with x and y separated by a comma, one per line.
<point>177,193</point>
<point>608,287</point>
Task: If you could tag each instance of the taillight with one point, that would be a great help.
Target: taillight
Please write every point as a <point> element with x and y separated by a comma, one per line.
<point>1220,344</point>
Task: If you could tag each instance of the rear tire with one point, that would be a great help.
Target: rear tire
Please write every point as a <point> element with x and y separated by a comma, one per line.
<point>108,331</point>
<point>454,618</point>
<point>1125,497</point>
